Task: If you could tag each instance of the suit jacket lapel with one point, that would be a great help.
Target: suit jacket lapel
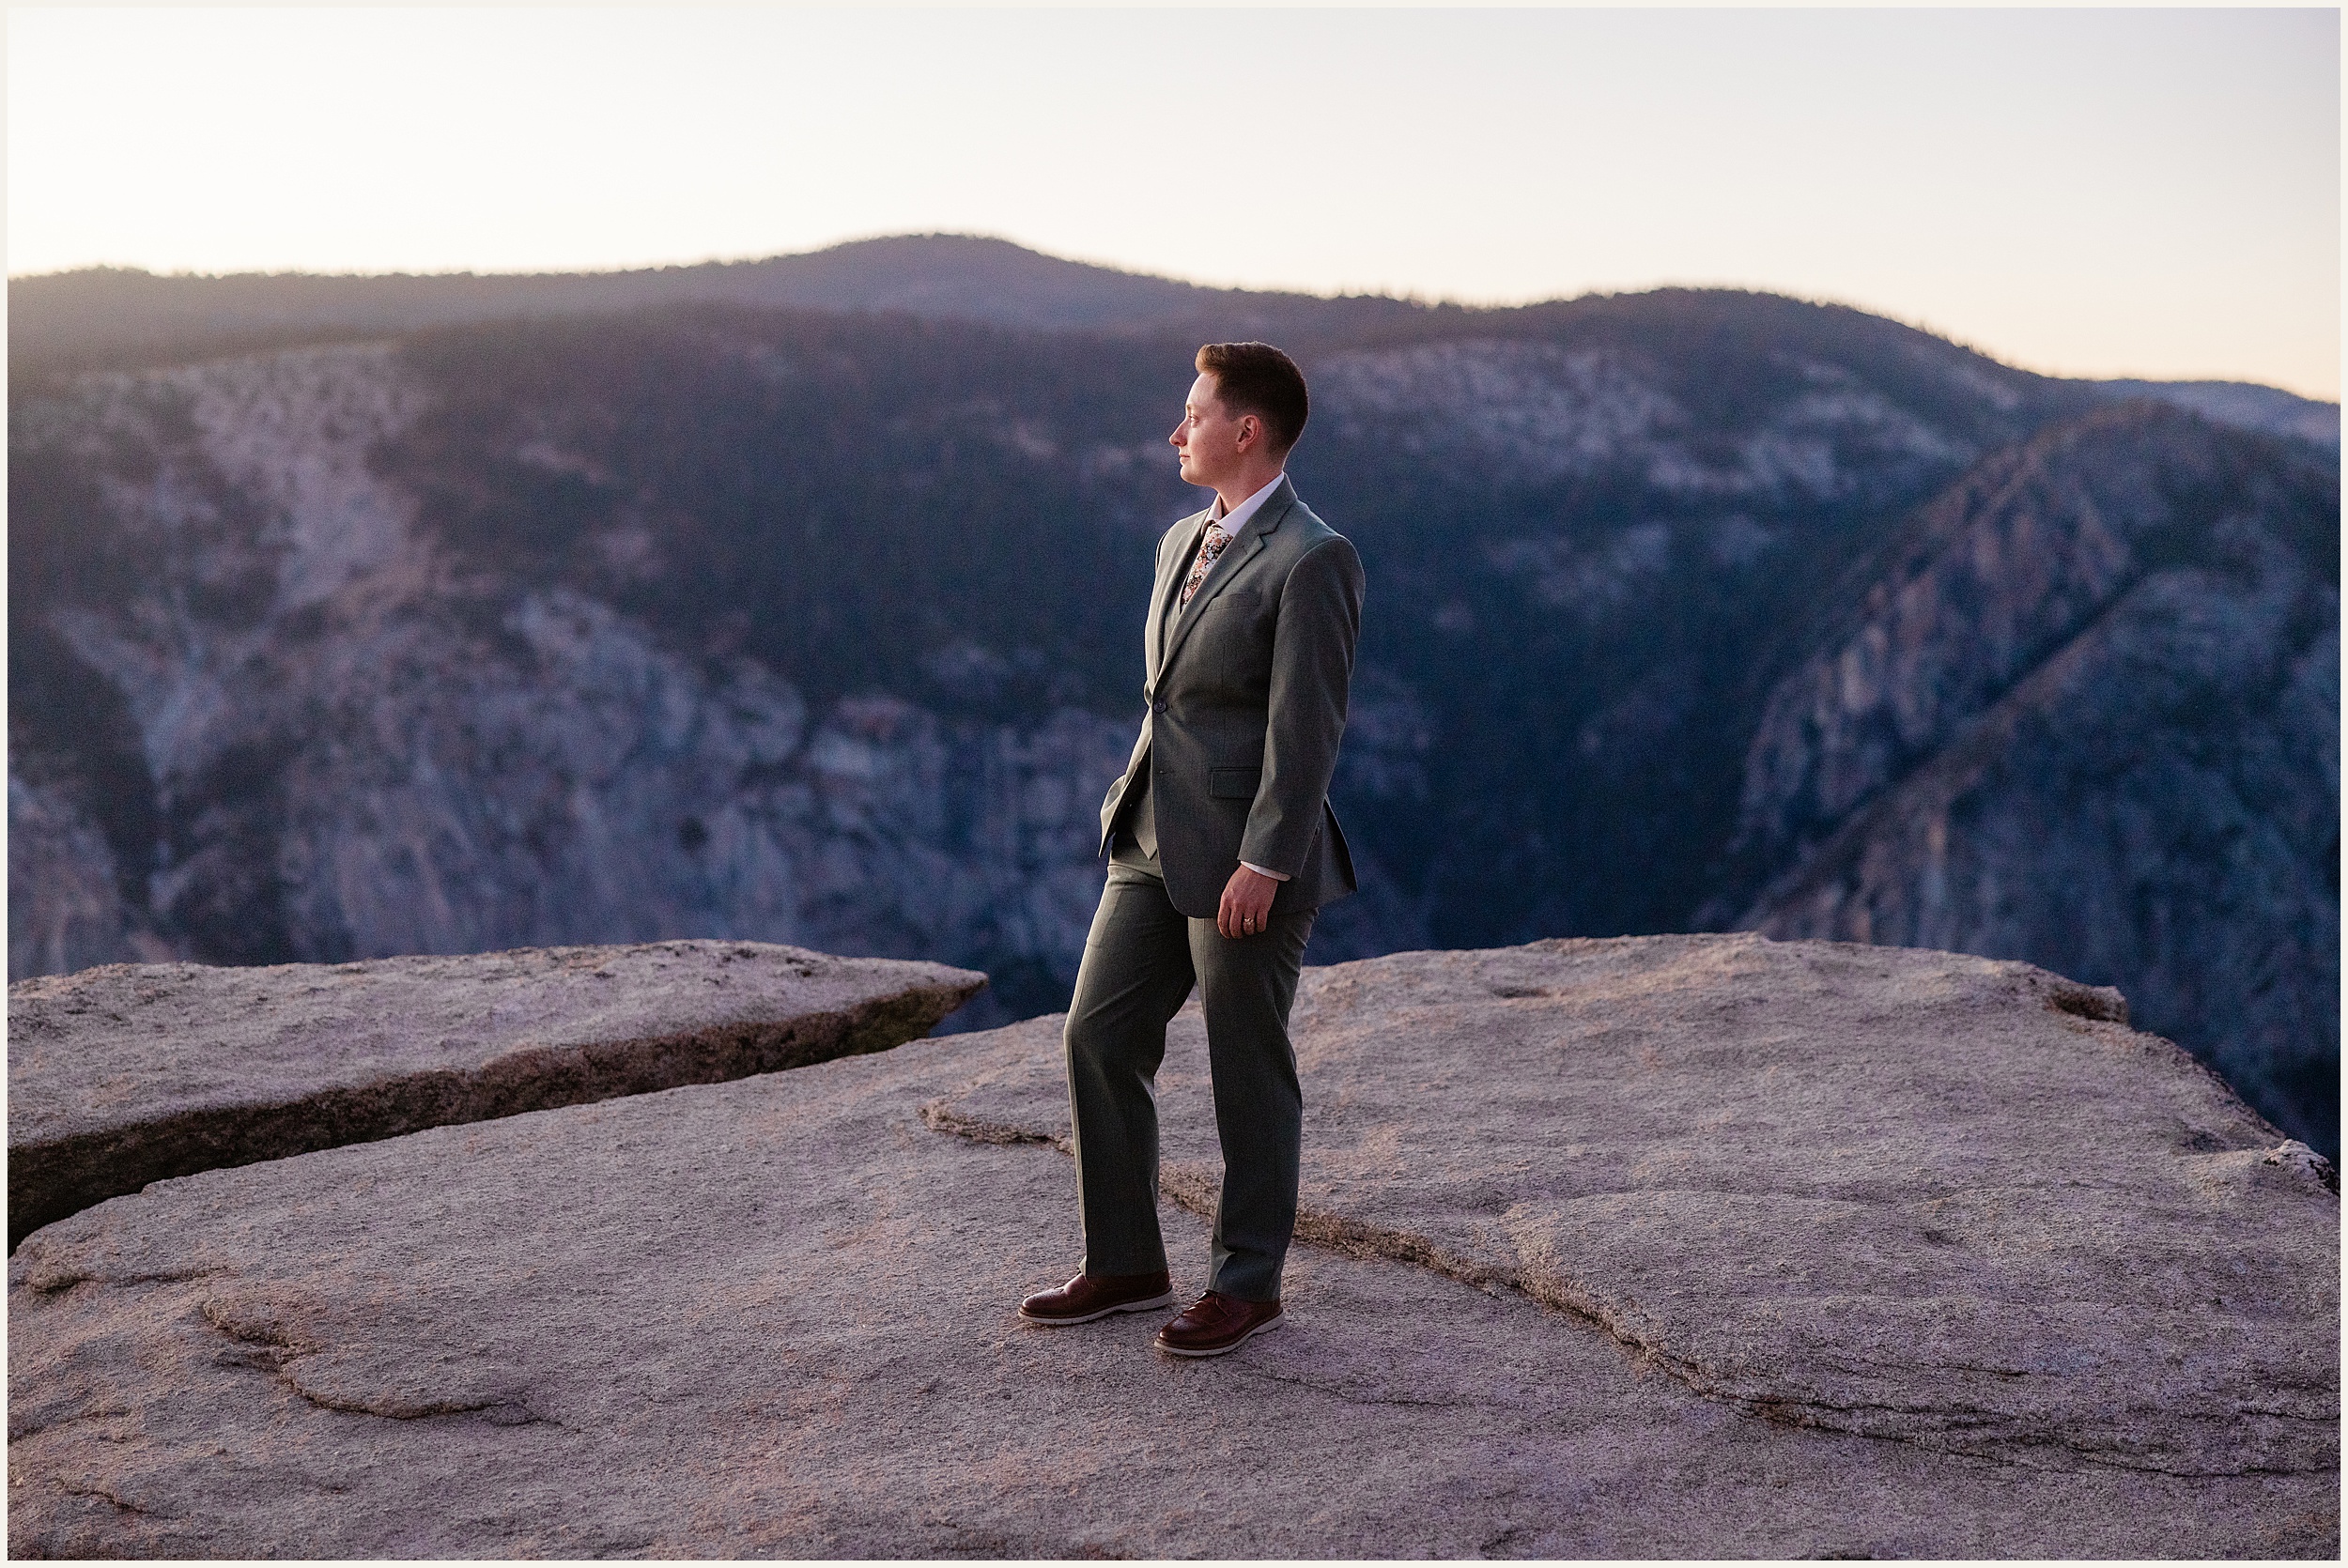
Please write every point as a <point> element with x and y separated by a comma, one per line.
<point>1162,602</point>
<point>1250,542</point>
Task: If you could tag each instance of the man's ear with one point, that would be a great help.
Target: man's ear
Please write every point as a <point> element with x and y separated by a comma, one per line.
<point>1250,431</point>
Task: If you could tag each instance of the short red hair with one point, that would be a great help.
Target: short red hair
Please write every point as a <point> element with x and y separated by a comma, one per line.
<point>1257,379</point>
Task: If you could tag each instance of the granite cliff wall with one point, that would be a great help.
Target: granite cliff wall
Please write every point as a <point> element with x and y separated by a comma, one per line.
<point>723,622</point>
<point>2086,708</point>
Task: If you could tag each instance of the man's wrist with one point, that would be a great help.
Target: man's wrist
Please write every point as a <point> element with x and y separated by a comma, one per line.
<point>1275,876</point>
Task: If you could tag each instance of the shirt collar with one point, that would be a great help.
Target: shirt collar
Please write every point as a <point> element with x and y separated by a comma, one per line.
<point>1237,519</point>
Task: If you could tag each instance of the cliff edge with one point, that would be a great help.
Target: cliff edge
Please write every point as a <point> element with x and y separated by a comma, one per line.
<point>1693,1246</point>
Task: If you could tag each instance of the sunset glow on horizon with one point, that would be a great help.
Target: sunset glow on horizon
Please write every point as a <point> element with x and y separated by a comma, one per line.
<point>2083,192</point>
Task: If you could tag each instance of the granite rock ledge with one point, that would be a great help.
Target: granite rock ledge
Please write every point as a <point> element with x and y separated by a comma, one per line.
<point>1921,1197</point>
<point>131,1074</point>
<point>1706,1246</point>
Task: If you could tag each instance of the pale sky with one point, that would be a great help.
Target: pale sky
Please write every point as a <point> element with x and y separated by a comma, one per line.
<point>2087,192</point>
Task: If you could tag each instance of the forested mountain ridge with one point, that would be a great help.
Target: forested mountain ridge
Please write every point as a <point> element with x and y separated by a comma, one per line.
<point>123,318</point>
<point>111,318</point>
<point>712,620</point>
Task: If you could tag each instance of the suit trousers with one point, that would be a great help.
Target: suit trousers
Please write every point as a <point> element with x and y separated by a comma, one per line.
<point>1140,961</point>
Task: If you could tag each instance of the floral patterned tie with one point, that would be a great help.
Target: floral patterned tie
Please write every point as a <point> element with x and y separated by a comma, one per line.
<point>1216,539</point>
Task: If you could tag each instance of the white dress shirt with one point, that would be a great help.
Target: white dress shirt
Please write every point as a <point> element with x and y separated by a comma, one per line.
<point>1236,519</point>
<point>1231,523</point>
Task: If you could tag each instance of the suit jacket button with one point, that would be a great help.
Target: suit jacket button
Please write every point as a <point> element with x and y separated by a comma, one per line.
<point>1159,708</point>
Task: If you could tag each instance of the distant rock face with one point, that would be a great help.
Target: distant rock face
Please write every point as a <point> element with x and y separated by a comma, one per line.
<point>823,629</point>
<point>1541,413</point>
<point>1698,1246</point>
<point>131,1073</point>
<point>352,759</point>
<point>2087,710</point>
<point>62,884</point>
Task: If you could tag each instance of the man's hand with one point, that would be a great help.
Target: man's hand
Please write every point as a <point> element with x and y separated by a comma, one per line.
<point>1246,907</point>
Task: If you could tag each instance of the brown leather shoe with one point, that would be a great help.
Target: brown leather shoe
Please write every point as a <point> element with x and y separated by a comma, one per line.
<point>1216,1323</point>
<point>1090,1296</point>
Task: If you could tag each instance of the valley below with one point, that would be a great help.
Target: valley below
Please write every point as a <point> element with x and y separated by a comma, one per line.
<point>803,607</point>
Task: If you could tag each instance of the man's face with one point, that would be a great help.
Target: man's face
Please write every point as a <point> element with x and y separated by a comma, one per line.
<point>1210,438</point>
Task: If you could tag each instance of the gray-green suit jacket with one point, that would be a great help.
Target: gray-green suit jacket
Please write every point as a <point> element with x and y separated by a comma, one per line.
<point>1246,694</point>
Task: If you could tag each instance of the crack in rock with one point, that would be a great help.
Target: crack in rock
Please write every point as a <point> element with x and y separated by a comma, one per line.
<point>940,1115</point>
<point>104,1495</point>
<point>79,1417</point>
<point>294,1058</point>
<point>278,1350</point>
<point>1349,1397</point>
<point>1198,1189</point>
<point>496,1412</point>
<point>46,1278</point>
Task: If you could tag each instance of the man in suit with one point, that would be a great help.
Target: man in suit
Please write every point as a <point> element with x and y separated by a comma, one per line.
<point>1221,846</point>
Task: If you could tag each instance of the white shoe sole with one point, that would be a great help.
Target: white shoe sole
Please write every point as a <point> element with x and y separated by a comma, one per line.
<point>1264,1327</point>
<point>1152,1304</point>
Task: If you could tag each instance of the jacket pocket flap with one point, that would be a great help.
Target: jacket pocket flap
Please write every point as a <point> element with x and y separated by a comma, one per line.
<point>1233,783</point>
